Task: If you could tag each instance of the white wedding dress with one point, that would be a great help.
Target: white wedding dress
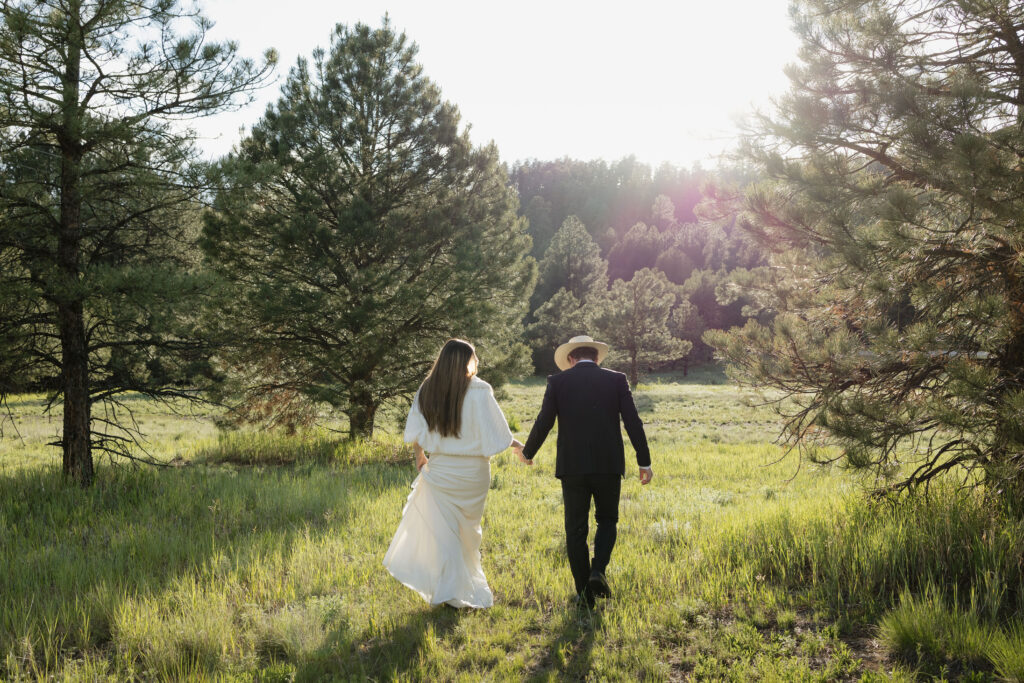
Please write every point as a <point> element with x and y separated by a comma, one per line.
<point>436,549</point>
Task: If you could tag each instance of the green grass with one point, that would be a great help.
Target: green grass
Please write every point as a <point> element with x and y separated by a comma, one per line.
<point>923,628</point>
<point>258,557</point>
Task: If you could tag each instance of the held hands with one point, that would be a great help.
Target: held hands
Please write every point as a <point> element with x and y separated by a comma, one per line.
<point>517,446</point>
<point>646,474</point>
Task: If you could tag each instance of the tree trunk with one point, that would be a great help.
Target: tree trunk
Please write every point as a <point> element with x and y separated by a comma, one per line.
<point>634,368</point>
<point>361,413</point>
<point>75,384</point>
<point>69,297</point>
<point>1004,469</point>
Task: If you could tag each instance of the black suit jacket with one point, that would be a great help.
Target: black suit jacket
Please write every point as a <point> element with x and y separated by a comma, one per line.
<point>588,402</point>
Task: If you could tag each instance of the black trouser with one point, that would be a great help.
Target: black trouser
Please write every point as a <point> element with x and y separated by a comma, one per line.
<point>576,493</point>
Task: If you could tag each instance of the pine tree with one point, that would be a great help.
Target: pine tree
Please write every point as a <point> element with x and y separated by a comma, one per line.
<point>572,262</point>
<point>676,264</point>
<point>639,248</point>
<point>634,318</point>
<point>560,318</point>
<point>98,190</point>
<point>718,308</point>
<point>363,229</point>
<point>572,274</point>
<point>663,213</point>
<point>894,211</point>
<point>686,323</point>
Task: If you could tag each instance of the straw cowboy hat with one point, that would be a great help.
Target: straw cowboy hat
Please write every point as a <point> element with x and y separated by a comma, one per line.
<point>563,351</point>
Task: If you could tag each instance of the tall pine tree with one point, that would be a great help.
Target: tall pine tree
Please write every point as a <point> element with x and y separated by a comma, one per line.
<point>363,229</point>
<point>572,262</point>
<point>894,210</point>
<point>97,185</point>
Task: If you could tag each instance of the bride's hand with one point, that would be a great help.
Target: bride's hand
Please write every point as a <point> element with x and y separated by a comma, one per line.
<point>421,458</point>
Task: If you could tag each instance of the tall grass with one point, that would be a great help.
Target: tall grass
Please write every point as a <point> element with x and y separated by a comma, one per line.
<point>862,557</point>
<point>311,447</point>
<point>924,629</point>
<point>159,567</point>
<point>1007,653</point>
<point>260,559</point>
<point>944,639</point>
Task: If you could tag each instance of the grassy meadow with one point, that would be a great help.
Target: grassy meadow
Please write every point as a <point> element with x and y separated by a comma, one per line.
<point>257,557</point>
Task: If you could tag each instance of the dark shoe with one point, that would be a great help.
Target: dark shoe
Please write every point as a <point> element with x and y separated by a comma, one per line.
<point>598,585</point>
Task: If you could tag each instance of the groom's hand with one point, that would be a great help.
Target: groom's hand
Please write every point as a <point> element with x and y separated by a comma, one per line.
<point>646,474</point>
<point>522,458</point>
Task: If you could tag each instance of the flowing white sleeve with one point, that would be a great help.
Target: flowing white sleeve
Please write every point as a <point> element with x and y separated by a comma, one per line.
<point>415,425</point>
<point>495,434</point>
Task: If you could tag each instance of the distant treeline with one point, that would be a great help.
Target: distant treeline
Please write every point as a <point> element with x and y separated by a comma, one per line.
<point>637,218</point>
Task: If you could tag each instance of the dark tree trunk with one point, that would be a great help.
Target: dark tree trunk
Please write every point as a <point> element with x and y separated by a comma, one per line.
<point>69,297</point>
<point>361,413</point>
<point>75,384</point>
<point>634,368</point>
<point>1005,468</point>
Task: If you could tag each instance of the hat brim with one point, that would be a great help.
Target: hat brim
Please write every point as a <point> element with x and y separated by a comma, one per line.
<point>563,351</point>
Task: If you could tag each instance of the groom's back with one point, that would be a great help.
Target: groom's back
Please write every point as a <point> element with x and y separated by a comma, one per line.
<point>589,401</point>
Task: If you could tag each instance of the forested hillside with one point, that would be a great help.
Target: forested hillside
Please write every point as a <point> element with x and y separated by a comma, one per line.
<point>594,223</point>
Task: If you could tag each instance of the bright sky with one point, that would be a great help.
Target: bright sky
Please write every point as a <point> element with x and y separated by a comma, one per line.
<point>664,80</point>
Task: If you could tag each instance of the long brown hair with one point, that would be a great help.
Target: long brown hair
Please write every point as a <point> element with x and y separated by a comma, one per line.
<point>444,389</point>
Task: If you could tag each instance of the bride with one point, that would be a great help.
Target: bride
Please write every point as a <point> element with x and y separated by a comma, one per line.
<point>454,417</point>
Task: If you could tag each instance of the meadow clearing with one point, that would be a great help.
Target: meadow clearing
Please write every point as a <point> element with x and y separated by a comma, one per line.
<point>257,557</point>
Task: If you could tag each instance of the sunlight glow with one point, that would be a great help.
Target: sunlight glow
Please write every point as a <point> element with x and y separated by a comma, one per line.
<point>664,81</point>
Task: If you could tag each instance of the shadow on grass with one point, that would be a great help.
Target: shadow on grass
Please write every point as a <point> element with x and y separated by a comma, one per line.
<point>76,556</point>
<point>394,654</point>
<point>706,373</point>
<point>644,403</point>
<point>569,653</point>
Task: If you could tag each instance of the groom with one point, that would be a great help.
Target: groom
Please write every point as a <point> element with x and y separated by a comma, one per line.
<point>590,462</point>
